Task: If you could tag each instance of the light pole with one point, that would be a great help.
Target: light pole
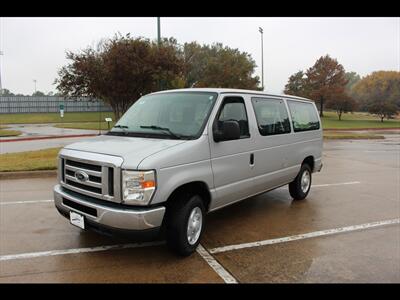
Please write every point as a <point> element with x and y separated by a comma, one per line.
<point>34,80</point>
<point>262,57</point>
<point>159,42</point>
<point>158,30</point>
<point>1,86</point>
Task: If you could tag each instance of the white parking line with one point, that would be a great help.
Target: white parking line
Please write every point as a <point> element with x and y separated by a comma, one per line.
<point>25,202</point>
<point>333,184</point>
<point>304,236</point>
<point>329,184</point>
<point>216,266</point>
<point>77,250</point>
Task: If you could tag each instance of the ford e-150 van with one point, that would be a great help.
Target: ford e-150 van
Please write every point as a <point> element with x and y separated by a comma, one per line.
<point>176,155</point>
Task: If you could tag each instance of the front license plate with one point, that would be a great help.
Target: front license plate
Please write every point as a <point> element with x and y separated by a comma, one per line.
<point>77,219</point>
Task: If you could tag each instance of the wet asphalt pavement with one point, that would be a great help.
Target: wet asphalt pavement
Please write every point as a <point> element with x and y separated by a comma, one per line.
<point>358,184</point>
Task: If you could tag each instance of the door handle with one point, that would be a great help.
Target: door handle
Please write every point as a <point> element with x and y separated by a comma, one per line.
<point>252,159</point>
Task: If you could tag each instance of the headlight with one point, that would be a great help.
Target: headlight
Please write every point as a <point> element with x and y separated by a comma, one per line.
<point>138,186</point>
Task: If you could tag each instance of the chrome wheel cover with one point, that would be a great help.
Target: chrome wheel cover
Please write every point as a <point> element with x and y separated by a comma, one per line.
<point>305,181</point>
<point>194,225</point>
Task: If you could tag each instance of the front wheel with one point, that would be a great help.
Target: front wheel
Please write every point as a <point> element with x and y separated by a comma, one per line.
<point>301,185</point>
<point>185,224</point>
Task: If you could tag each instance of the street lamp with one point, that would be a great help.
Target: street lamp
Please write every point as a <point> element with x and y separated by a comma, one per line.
<point>159,42</point>
<point>158,30</point>
<point>1,86</point>
<point>34,80</point>
<point>262,58</point>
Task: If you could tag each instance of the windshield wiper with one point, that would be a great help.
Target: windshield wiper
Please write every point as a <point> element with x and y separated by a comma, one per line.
<point>163,128</point>
<point>120,126</point>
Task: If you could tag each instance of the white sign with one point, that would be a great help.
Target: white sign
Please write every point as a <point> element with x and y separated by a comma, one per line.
<point>108,119</point>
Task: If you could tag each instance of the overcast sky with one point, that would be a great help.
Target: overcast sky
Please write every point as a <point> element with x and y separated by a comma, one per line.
<point>34,48</point>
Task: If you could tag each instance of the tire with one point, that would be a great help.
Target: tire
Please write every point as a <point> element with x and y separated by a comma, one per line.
<point>296,189</point>
<point>186,206</point>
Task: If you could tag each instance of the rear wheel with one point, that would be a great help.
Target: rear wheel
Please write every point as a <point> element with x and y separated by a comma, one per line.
<point>185,223</point>
<point>300,186</point>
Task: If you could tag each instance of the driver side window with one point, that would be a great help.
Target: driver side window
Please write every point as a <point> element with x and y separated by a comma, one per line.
<point>234,109</point>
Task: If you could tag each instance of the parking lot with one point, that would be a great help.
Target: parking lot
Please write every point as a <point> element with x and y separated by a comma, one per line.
<point>347,230</point>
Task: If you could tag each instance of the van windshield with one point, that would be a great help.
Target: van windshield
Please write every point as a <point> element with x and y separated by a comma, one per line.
<point>176,115</point>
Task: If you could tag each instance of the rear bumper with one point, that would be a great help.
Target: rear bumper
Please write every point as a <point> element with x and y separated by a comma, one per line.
<point>109,216</point>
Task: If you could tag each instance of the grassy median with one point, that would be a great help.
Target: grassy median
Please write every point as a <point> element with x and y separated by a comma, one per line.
<point>29,161</point>
<point>4,132</point>
<point>351,136</point>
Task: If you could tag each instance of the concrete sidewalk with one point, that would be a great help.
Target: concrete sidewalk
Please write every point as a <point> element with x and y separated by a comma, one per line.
<point>42,136</point>
<point>45,130</point>
<point>21,146</point>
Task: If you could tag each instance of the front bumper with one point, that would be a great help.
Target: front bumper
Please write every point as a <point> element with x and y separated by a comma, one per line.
<point>318,165</point>
<point>109,215</point>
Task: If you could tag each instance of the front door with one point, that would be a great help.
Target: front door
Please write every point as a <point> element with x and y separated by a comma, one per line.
<point>231,160</point>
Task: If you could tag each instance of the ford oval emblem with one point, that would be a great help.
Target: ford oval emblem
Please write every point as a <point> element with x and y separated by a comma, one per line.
<point>81,176</point>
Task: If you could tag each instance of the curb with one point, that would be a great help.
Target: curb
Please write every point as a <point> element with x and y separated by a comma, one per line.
<point>27,174</point>
<point>47,137</point>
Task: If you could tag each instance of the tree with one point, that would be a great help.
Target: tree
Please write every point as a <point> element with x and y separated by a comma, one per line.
<point>218,66</point>
<point>326,81</point>
<point>342,103</point>
<point>380,92</point>
<point>297,85</point>
<point>352,79</point>
<point>120,70</point>
<point>38,94</point>
<point>6,92</point>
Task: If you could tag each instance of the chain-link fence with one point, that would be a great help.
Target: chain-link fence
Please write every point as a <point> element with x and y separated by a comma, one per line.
<point>49,104</point>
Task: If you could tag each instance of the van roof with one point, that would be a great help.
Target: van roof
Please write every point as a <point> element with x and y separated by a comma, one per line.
<point>224,90</point>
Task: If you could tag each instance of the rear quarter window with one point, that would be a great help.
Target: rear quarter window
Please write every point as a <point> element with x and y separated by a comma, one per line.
<point>304,116</point>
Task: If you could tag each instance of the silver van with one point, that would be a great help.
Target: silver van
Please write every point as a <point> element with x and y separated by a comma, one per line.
<point>176,155</point>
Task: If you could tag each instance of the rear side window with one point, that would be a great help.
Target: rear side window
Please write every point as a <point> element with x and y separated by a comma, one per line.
<point>304,116</point>
<point>272,116</point>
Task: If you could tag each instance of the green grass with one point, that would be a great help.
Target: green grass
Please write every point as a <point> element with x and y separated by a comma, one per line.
<point>54,117</point>
<point>6,133</point>
<point>355,121</point>
<point>334,135</point>
<point>29,160</point>
<point>88,125</point>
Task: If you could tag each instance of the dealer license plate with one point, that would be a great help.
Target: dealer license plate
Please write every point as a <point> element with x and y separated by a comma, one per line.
<point>77,219</point>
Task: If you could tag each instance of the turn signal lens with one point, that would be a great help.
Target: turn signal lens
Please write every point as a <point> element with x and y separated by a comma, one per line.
<point>148,184</point>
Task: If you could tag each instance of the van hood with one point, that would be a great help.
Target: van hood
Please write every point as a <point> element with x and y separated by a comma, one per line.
<point>132,149</point>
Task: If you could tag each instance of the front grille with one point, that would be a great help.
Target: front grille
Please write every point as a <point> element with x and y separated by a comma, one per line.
<point>83,186</point>
<point>82,165</point>
<point>96,181</point>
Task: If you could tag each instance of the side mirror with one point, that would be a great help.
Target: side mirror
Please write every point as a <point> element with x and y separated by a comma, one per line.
<point>230,131</point>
